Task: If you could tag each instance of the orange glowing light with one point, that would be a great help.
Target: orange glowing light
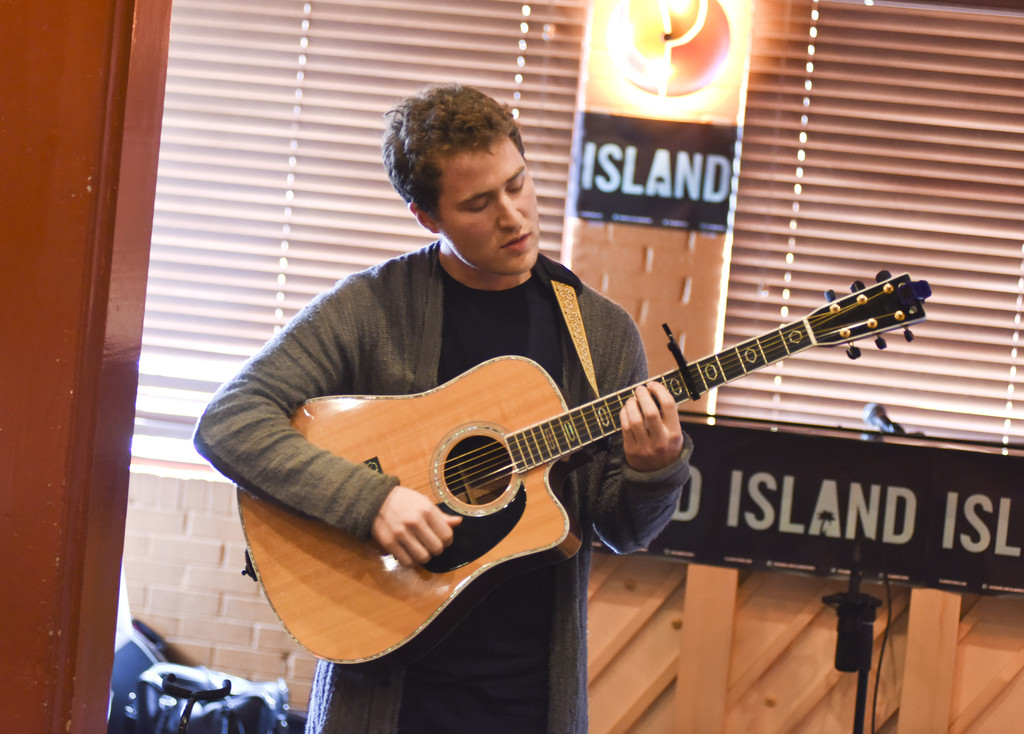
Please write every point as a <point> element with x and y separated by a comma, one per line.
<point>668,47</point>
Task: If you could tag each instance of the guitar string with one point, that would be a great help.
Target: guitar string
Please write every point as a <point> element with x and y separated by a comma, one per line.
<point>482,461</point>
<point>728,358</point>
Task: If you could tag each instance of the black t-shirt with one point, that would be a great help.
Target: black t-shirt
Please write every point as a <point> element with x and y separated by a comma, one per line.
<point>490,673</point>
<point>480,325</point>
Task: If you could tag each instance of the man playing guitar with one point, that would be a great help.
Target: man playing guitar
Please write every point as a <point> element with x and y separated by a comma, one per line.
<point>516,662</point>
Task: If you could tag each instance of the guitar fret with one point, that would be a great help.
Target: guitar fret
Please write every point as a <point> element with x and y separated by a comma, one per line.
<point>760,348</point>
<point>699,374</point>
<point>586,414</point>
<point>793,339</point>
<point>732,365</point>
<point>558,430</point>
<point>543,449</point>
<point>751,355</point>
<point>567,441</point>
<point>544,437</point>
<point>528,452</point>
<point>727,362</point>
<point>673,382</point>
<point>721,369</point>
<point>598,419</point>
<point>514,450</point>
<point>744,358</point>
<point>531,443</point>
<point>710,372</point>
<point>777,348</point>
<point>604,417</point>
<point>800,337</point>
<point>785,342</point>
<point>551,430</point>
<point>550,439</point>
<point>582,417</point>
<point>572,436</point>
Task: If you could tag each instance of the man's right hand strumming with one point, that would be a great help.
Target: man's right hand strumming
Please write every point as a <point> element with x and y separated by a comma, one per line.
<point>411,528</point>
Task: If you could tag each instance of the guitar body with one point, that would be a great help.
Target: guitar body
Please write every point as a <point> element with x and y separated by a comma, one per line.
<point>347,601</point>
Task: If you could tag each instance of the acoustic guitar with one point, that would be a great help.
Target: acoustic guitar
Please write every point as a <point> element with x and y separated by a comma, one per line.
<point>482,446</point>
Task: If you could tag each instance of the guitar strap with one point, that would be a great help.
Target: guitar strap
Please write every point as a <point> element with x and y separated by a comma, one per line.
<point>566,296</point>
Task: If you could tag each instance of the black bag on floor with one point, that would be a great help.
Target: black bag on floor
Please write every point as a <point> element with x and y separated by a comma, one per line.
<point>141,648</point>
<point>177,698</point>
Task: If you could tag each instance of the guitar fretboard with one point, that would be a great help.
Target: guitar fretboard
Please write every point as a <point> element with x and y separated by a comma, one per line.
<point>560,436</point>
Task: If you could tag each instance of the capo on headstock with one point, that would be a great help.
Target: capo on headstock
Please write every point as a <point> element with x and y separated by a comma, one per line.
<point>684,368</point>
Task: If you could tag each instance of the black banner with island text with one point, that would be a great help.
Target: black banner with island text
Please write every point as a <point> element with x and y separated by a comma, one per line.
<point>927,515</point>
<point>654,172</point>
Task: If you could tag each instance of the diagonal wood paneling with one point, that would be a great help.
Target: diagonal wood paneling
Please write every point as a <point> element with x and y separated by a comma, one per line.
<point>988,692</point>
<point>945,651</point>
<point>781,661</point>
<point>783,674</point>
<point>635,622</point>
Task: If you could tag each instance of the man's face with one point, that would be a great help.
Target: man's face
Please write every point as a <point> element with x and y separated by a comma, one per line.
<point>486,217</point>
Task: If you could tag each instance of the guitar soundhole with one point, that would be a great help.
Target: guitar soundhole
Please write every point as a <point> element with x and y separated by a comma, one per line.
<point>478,471</point>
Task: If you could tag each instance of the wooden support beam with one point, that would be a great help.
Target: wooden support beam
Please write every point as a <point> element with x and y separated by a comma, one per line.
<point>703,680</point>
<point>82,95</point>
<point>927,695</point>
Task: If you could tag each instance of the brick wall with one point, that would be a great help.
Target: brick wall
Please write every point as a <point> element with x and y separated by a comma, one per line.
<point>659,276</point>
<point>183,556</point>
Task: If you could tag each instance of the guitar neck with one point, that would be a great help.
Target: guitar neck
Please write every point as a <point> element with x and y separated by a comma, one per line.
<point>560,436</point>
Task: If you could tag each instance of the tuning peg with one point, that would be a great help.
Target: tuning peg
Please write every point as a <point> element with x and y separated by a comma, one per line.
<point>853,351</point>
<point>882,275</point>
<point>857,285</point>
<point>830,295</point>
<point>880,342</point>
<point>908,335</point>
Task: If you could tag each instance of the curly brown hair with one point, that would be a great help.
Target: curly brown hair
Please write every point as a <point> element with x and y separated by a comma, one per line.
<point>440,121</point>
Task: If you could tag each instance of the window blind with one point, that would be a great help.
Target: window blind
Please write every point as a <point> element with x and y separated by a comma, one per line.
<point>270,186</point>
<point>886,135</point>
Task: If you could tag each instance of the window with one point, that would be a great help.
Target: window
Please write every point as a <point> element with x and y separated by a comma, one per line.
<point>886,135</point>
<point>270,186</point>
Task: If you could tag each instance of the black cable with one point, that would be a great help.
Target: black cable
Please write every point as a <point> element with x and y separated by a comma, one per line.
<point>885,636</point>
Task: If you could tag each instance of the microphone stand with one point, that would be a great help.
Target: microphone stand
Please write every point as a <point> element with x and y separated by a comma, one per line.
<point>855,640</point>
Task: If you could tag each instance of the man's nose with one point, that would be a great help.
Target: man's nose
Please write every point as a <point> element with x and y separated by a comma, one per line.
<point>509,215</point>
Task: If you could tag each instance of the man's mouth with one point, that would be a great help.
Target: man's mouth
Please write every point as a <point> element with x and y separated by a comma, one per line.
<point>517,241</point>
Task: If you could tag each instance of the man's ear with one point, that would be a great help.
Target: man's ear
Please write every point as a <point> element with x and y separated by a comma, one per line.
<point>428,222</point>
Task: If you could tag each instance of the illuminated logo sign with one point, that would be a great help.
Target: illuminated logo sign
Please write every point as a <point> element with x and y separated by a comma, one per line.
<point>668,47</point>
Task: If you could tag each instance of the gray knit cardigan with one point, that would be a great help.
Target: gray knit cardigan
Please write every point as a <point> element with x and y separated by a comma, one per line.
<point>378,332</point>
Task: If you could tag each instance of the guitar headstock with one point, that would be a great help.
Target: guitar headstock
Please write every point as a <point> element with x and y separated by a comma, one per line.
<point>892,303</point>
